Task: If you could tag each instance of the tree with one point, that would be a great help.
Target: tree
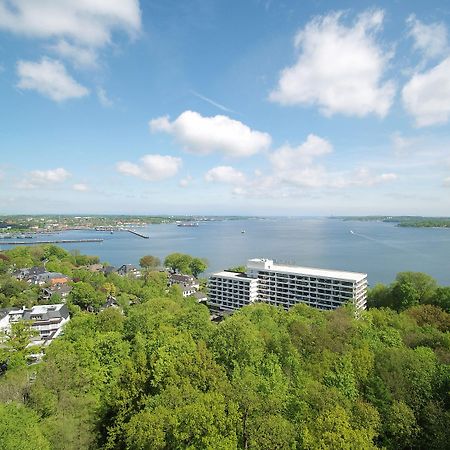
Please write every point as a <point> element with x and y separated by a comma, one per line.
<point>441,298</point>
<point>401,427</point>
<point>180,262</point>
<point>424,284</point>
<point>84,295</point>
<point>20,336</point>
<point>149,262</point>
<point>198,265</point>
<point>20,429</point>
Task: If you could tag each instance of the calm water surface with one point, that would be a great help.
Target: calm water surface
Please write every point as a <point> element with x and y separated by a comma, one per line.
<point>379,249</point>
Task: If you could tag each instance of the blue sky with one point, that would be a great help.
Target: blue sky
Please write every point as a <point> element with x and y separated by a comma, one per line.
<point>224,107</point>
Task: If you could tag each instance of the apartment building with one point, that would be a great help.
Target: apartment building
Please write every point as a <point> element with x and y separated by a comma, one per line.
<point>285,286</point>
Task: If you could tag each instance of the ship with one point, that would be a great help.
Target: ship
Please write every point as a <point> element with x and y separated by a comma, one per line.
<point>188,224</point>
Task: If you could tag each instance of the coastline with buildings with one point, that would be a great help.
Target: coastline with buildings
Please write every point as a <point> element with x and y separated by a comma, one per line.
<point>379,249</point>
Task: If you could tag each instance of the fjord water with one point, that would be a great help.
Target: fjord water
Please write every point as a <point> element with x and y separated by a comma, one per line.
<point>379,249</point>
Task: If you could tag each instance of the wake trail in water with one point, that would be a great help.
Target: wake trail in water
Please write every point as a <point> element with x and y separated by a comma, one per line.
<point>394,247</point>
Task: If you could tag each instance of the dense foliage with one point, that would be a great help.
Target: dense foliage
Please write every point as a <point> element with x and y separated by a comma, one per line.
<point>161,375</point>
<point>410,289</point>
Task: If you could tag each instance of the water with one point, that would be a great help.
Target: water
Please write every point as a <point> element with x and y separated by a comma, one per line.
<point>379,249</point>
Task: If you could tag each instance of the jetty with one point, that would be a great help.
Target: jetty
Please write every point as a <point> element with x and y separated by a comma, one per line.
<point>144,236</point>
<point>56,241</point>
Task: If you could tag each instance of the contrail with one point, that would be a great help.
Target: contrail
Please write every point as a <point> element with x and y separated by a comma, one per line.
<point>212,102</point>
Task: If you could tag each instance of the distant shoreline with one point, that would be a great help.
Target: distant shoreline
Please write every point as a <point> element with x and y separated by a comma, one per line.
<point>403,221</point>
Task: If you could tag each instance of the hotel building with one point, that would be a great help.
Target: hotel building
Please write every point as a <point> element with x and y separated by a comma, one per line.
<point>285,286</point>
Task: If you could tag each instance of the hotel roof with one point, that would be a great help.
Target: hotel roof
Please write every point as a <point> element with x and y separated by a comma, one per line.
<point>318,273</point>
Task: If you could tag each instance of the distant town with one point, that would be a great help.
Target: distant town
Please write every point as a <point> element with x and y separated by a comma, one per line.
<point>23,226</point>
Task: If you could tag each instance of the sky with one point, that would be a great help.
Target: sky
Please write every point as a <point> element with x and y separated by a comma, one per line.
<point>306,107</point>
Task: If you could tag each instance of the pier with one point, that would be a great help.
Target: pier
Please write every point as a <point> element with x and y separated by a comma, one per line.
<point>136,233</point>
<point>57,241</point>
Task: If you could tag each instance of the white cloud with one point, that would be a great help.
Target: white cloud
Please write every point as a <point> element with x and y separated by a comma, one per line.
<point>295,164</point>
<point>151,167</point>
<point>431,40</point>
<point>38,178</point>
<point>185,182</point>
<point>339,68</point>
<point>295,170</point>
<point>81,57</point>
<point>103,98</point>
<point>225,174</point>
<point>80,187</point>
<point>49,78</point>
<point>204,135</point>
<point>288,158</point>
<point>426,96</point>
<point>88,22</point>
<point>75,30</point>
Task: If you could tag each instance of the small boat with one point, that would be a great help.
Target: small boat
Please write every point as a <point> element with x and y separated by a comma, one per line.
<point>352,232</point>
<point>242,231</point>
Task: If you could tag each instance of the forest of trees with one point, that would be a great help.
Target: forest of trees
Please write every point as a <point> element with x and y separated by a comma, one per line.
<point>158,374</point>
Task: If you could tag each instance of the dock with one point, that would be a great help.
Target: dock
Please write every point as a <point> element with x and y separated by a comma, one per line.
<point>57,241</point>
<point>144,236</point>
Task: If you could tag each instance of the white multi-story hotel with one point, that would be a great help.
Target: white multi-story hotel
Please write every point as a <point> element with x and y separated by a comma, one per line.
<point>285,286</point>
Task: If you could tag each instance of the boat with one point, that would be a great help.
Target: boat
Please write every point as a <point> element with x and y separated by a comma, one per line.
<point>242,231</point>
<point>352,232</point>
<point>188,224</point>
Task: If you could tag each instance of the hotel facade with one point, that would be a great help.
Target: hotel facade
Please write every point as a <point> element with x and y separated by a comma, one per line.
<point>286,286</point>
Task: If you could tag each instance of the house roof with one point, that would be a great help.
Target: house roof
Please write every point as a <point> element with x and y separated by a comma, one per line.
<point>47,312</point>
<point>181,278</point>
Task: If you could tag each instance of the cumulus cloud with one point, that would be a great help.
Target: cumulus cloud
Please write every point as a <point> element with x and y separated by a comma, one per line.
<point>75,30</point>
<point>339,68</point>
<point>49,78</point>
<point>38,178</point>
<point>89,23</point>
<point>429,39</point>
<point>426,96</point>
<point>81,57</point>
<point>288,157</point>
<point>225,174</point>
<point>204,135</point>
<point>80,187</point>
<point>151,167</point>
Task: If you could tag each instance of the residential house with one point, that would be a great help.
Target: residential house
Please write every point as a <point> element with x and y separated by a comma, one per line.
<point>61,289</point>
<point>47,320</point>
<point>188,284</point>
<point>49,277</point>
<point>129,269</point>
<point>28,273</point>
<point>108,269</point>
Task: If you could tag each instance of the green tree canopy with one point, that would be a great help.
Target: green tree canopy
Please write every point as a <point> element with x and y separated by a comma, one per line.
<point>149,262</point>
